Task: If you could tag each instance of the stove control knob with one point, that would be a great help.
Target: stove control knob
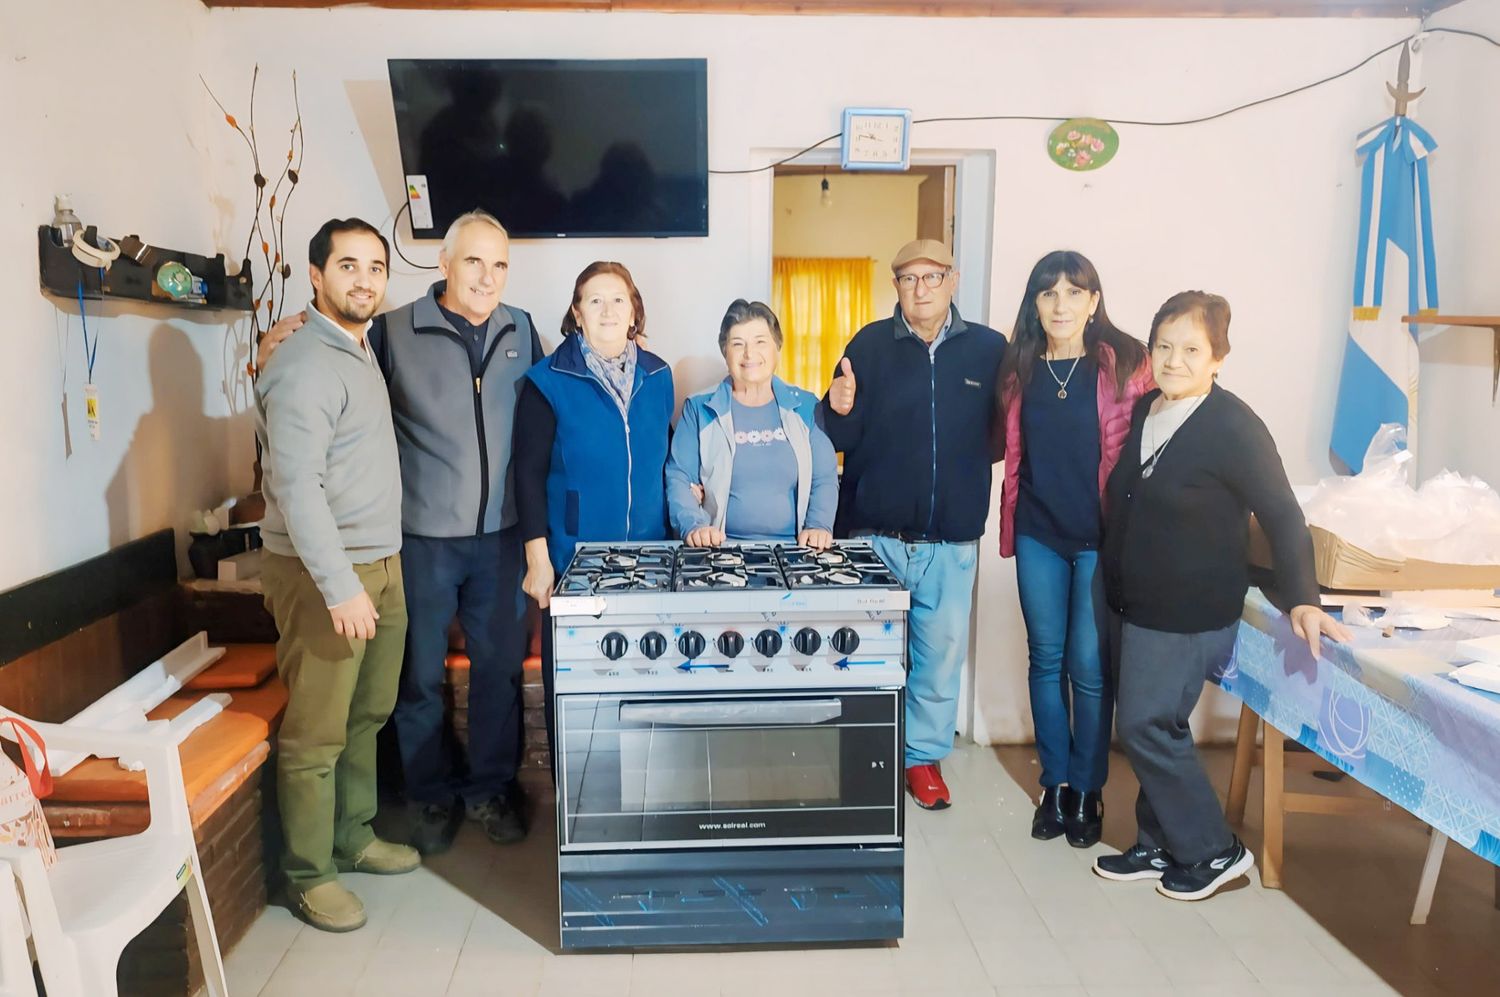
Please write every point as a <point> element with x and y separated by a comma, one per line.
<point>844,640</point>
<point>691,644</point>
<point>653,645</point>
<point>614,645</point>
<point>807,641</point>
<point>731,644</point>
<point>768,643</point>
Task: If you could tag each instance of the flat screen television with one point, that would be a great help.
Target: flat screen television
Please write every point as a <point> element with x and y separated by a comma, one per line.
<point>555,147</point>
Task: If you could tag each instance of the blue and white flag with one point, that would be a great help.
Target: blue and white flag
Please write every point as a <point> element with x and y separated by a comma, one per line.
<point>1379,379</point>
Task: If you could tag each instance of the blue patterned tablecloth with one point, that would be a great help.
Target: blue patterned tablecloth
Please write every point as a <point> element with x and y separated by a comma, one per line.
<point>1385,711</point>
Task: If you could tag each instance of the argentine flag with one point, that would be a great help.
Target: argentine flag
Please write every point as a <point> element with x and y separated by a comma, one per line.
<point>1379,379</point>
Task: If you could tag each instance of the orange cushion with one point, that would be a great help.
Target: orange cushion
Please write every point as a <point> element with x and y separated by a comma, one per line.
<point>243,666</point>
<point>250,718</point>
<point>460,662</point>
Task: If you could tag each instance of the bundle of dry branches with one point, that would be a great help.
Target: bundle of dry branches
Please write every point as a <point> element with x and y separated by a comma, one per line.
<point>268,222</point>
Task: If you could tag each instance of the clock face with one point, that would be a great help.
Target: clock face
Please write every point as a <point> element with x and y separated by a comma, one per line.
<point>876,138</point>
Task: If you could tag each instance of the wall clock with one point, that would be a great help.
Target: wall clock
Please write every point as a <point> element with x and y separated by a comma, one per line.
<point>876,138</point>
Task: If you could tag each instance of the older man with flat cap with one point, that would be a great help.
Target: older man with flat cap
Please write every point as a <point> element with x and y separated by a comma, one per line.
<point>912,407</point>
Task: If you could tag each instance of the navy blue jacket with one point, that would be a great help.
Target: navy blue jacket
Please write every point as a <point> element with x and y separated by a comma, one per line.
<point>606,475</point>
<point>920,441</point>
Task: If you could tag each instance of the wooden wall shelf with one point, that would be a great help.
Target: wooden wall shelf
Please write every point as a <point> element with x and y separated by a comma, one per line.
<point>1481,321</point>
<point>126,280</point>
<point>1490,322</point>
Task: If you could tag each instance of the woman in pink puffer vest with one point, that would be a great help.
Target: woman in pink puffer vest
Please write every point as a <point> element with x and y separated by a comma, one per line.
<point>1067,387</point>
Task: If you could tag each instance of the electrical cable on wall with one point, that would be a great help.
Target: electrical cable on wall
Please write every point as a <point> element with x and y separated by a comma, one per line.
<point>406,204</point>
<point>396,243</point>
<point>1143,124</point>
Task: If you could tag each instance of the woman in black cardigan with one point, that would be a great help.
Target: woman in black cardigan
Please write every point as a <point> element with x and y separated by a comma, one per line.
<point>1197,462</point>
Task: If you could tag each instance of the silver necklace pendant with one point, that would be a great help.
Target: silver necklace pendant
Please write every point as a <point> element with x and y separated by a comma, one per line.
<point>1062,382</point>
<point>1146,471</point>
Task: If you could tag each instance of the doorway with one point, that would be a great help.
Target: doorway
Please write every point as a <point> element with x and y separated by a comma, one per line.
<point>968,219</point>
<point>832,236</point>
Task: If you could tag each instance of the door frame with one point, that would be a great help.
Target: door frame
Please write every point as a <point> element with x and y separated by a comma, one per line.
<point>973,217</point>
<point>973,242</point>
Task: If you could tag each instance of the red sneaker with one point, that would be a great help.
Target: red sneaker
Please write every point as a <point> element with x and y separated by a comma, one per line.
<point>927,787</point>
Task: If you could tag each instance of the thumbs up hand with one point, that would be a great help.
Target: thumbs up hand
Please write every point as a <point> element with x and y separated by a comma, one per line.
<point>841,395</point>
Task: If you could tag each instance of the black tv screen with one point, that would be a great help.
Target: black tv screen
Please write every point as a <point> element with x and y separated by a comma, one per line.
<point>555,147</point>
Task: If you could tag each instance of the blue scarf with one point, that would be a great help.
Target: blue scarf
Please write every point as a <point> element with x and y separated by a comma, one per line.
<point>618,374</point>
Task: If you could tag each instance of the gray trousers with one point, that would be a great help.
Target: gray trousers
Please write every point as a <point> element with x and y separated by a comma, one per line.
<point>1161,680</point>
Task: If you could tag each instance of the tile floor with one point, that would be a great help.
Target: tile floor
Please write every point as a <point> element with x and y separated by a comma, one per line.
<point>990,912</point>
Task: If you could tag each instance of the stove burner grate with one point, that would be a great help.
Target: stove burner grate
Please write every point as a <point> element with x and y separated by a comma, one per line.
<point>747,566</point>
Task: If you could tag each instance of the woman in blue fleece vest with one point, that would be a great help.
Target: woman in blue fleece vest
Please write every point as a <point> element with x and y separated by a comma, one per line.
<point>590,445</point>
<point>591,431</point>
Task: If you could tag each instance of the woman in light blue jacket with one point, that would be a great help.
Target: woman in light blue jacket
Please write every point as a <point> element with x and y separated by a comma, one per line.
<point>748,460</point>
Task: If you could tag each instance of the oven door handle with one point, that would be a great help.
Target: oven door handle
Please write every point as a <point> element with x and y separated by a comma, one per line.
<point>734,713</point>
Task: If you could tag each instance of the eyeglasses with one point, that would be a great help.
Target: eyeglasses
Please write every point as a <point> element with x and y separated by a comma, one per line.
<point>908,281</point>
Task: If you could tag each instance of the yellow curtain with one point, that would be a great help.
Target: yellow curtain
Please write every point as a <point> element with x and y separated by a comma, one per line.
<point>822,303</point>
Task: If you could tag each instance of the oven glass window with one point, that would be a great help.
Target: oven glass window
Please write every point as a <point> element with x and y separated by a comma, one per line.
<point>663,771</point>
<point>728,769</point>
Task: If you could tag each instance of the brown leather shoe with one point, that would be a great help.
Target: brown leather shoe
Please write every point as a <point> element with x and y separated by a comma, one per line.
<point>383,858</point>
<point>329,907</point>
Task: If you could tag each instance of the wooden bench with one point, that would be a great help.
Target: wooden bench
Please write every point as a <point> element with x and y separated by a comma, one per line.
<point>85,630</point>
<point>100,799</point>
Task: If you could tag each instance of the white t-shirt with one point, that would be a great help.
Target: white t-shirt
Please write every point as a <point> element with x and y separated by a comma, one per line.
<point>1163,421</point>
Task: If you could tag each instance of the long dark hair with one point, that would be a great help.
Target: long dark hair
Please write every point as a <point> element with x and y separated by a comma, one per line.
<point>1029,341</point>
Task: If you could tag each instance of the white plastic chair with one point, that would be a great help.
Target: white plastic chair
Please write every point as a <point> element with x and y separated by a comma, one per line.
<point>101,894</point>
<point>15,955</point>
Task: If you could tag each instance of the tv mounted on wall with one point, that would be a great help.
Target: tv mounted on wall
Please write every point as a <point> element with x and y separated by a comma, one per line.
<point>555,147</point>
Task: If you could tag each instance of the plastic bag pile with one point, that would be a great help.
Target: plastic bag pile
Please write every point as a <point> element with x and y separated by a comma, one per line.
<point>1450,519</point>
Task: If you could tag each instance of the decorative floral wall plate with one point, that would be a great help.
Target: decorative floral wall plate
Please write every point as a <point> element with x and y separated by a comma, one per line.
<point>1083,144</point>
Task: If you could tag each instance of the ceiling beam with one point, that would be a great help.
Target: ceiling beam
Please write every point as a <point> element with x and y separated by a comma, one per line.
<point>921,8</point>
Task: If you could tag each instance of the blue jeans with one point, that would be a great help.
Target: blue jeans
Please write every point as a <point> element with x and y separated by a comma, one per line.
<point>1060,603</point>
<point>479,580</point>
<point>940,577</point>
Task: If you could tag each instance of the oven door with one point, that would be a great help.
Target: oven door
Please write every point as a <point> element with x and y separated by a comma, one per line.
<point>733,769</point>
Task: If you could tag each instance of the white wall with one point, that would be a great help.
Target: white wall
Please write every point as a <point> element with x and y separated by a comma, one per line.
<point>131,155</point>
<point>871,215</point>
<point>1457,422</point>
<point>1268,177</point>
<point>1259,206</point>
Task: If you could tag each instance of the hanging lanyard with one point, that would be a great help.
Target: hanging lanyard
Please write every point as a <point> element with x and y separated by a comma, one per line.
<point>90,353</point>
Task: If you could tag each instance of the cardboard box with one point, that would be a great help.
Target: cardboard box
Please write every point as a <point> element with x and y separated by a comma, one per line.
<point>1341,565</point>
<point>240,567</point>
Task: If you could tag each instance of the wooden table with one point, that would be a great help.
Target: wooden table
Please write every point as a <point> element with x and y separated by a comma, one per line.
<point>1381,711</point>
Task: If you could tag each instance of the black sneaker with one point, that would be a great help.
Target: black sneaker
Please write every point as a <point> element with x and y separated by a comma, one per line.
<point>503,816</point>
<point>434,826</point>
<point>1140,862</point>
<point>1202,880</point>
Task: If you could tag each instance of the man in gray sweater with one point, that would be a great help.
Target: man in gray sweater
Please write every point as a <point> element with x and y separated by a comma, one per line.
<point>332,575</point>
